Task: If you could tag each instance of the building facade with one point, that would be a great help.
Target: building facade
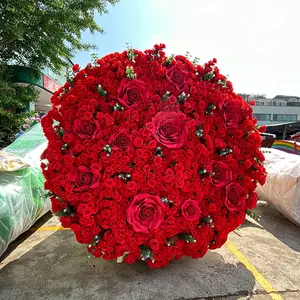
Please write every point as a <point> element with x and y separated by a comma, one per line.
<point>280,109</point>
<point>46,82</point>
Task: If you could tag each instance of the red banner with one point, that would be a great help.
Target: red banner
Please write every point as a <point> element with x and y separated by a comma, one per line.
<point>50,84</point>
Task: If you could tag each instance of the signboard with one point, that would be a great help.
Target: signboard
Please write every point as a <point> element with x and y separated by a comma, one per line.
<point>50,84</point>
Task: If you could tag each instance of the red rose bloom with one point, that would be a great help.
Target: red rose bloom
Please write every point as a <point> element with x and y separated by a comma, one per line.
<point>235,199</point>
<point>130,258</point>
<point>232,113</point>
<point>221,174</point>
<point>131,92</point>
<point>154,244</point>
<point>169,129</point>
<point>87,128</point>
<point>121,140</point>
<point>178,77</point>
<point>86,178</point>
<point>190,210</point>
<point>252,201</point>
<point>87,209</point>
<point>68,138</point>
<point>145,213</point>
<point>65,221</point>
<point>138,142</point>
<point>262,129</point>
<point>75,68</point>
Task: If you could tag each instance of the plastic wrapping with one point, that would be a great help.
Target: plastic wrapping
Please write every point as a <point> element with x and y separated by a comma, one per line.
<point>22,194</point>
<point>29,146</point>
<point>282,188</point>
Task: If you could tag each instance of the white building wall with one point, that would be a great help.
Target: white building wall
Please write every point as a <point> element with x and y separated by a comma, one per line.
<point>279,110</point>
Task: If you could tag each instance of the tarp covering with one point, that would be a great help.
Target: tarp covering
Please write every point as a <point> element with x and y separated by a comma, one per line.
<point>22,194</point>
<point>283,130</point>
<point>282,188</point>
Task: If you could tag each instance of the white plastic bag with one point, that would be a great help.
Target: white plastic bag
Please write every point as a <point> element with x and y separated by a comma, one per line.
<point>282,188</point>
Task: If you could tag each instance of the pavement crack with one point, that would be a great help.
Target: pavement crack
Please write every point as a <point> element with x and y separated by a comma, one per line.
<point>215,297</point>
<point>289,291</point>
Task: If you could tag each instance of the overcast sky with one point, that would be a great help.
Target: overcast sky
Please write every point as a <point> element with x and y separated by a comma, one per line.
<point>257,42</point>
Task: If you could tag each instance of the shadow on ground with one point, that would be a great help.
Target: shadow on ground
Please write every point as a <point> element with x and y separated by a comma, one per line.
<point>59,268</point>
<point>278,225</point>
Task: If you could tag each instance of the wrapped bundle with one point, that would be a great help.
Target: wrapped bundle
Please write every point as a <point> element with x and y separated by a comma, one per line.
<point>282,188</point>
<point>22,192</point>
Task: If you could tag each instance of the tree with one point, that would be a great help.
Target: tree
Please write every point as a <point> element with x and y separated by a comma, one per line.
<point>39,34</point>
<point>14,96</point>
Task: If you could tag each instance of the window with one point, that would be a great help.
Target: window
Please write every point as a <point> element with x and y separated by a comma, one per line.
<point>293,104</point>
<point>262,117</point>
<point>285,118</point>
<point>259,103</point>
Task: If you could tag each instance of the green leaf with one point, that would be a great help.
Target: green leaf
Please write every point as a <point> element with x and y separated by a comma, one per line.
<point>253,215</point>
<point>187,237</point>
<point>42,33</point>
<point>145,253</point>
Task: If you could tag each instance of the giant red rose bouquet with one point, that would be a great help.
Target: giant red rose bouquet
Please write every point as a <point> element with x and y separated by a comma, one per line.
<point>151,157</point>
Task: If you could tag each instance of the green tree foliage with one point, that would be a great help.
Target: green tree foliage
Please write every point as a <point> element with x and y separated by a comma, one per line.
<point>39,34</point>
<point>13,103</point>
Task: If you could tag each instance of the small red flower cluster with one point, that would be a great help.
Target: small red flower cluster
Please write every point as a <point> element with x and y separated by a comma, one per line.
<point>151,157</point>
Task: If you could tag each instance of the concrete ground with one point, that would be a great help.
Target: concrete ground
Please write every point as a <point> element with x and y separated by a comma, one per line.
<point>261,261</point>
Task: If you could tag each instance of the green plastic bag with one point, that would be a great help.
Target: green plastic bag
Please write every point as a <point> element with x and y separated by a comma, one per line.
<point>22,194</point>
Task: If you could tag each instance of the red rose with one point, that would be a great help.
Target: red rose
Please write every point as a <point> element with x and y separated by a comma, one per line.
<point>178,77</point>
<point>145,213</point>
<point>220,221</point>
<point>130,258</point>
<point>87,209</point>
<point>131,92</point>
<point>86,235</point>
<point>190,210</point>
<point>76,228</point>
<point>68,138</point>
<point>87,128</point>
<point>154,244</point>
<point>235,220</point>
<point>131,186</point>
<point>121,140</point>
<point>157,161</point>
<point>232,113</point>
<point>252,200</point>
<point>169,129</point>
<point>86,178</point>
<point>75,68</point>
<point>57,205</point>
<point>220,239</point>
<point>87,221</point>
<point>221,174</point>
<point>262,129</point>
<point>138,142</point>
<point>65,221</point>
<point>235,199</point>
